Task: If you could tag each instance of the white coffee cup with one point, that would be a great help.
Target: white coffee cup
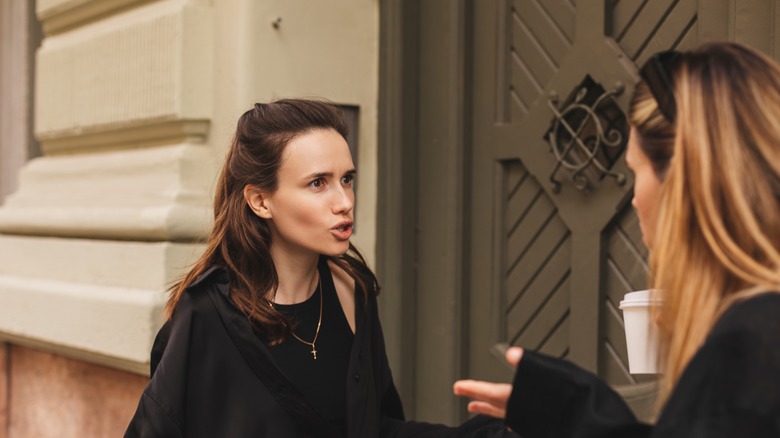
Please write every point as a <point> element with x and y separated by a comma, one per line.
<point>641,331</point>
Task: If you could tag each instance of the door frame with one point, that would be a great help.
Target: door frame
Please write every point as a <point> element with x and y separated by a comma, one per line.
<point>423,129</point>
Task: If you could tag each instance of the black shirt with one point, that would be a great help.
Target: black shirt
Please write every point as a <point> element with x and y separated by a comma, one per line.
<point>322,381</point>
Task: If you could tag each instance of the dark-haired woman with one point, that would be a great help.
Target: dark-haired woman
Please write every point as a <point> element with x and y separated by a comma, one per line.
<point>274,332</point>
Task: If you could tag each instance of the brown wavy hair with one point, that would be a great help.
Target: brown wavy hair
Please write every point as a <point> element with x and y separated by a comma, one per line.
<point>717,236</point>
<point>240,240</point>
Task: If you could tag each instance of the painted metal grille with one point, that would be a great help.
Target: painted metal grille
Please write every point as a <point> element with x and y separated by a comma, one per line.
<point>588,134</point>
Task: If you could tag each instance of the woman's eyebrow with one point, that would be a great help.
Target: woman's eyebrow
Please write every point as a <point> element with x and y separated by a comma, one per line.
<point>352,171</point>
<point>318,175</point>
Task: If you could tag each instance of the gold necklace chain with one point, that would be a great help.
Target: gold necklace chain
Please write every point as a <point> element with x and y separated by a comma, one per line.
<point>319,323</point>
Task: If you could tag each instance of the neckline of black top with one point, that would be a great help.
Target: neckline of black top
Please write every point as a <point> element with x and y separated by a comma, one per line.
<point>312,301</point>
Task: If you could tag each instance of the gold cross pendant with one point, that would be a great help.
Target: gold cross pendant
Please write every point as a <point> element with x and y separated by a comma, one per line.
<point>314,352</point>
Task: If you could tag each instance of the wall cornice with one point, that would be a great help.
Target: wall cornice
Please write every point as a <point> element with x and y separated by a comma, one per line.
<point>60,15</point>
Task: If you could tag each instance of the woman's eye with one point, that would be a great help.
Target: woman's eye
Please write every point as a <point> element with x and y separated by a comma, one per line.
<point>348,180</point>
<point>317,183</point>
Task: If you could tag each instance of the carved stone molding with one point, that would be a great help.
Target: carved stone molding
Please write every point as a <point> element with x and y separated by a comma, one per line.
<point>60,15</point>
<point>142,135</point>
<point>159,193</point>
<point>146,74</point>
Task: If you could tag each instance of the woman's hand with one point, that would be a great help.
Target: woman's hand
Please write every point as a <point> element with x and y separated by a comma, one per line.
<point>489,398</point>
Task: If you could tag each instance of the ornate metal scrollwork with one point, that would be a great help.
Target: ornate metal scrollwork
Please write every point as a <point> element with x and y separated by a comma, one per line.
<point>588,135</point>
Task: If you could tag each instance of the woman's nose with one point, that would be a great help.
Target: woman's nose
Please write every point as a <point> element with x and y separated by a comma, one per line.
<point>344,201</point>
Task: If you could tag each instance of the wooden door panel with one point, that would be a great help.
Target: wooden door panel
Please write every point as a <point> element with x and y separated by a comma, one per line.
<point>557,344</point>
<point>642,28</point>
<point>523,309</point>
<point>521,198</point>
<point>541,37</point>
<point>525,87</point>
<point>530,283</point>
<point>562,12</point>
<point>552,313</point>
<point>678,26</point>
<point>539,214</point>
<point>543,28</point>
<point>612,363</point>
<point>625,260</point>
<point>622,14</point>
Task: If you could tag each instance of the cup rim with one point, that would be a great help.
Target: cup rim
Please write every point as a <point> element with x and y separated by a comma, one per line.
<point>644,303</point>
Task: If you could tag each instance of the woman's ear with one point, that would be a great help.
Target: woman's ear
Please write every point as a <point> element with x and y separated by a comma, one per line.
<point>258,202</point>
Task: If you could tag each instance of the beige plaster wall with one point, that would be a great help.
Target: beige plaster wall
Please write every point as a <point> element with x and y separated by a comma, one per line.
<point>136,103</point>
<point>55,397</point>
<point>320,49</point>
<point>112,213</point>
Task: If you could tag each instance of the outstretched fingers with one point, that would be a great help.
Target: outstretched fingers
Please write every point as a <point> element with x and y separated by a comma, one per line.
<point>477,407</point>
<point>488,398</point>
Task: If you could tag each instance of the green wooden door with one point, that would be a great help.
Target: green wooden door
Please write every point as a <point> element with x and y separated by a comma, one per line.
<point>555,242</point>
<point>493,231</point>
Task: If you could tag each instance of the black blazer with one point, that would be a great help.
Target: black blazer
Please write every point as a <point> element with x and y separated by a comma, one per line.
<point>213,377</point>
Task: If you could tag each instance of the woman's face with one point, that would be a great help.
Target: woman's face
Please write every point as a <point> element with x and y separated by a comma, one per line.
<point>647,188</point>
<point>311,210</point>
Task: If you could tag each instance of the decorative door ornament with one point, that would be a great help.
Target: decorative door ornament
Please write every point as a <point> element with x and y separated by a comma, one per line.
<point>587,135</point>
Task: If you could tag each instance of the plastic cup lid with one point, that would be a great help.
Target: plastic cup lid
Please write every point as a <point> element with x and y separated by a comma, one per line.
<point>641,298</point>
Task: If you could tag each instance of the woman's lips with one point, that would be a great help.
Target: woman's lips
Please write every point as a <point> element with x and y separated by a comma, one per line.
<point>342,231</point>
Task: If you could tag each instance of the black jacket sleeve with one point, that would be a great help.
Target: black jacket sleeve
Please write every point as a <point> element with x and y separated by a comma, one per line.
<point>159,411</point>
<point>554,398</point>
<point>152,421</point>
<point>730,388</point>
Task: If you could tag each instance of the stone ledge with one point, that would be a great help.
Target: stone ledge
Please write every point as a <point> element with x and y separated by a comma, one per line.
<point>107,138</point>
<point>111,326</point>
<point>176,223</point>
<point>148,194</point>
<point>99,263</point>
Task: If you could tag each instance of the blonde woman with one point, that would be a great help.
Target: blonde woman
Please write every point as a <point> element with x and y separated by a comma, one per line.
<point>705,151</point>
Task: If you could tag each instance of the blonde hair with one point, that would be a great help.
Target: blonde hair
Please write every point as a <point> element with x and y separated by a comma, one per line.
<point>718,226</point>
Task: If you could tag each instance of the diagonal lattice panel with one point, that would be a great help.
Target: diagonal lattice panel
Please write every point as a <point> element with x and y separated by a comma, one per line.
<point>542,33</point>
<point>538,257</point>
<point>643,27</point>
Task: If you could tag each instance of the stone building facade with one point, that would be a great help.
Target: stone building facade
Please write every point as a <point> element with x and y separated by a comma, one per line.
<point>115,117</point>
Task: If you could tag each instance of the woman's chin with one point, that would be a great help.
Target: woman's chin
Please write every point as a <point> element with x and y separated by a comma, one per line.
<point>337,250</point>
